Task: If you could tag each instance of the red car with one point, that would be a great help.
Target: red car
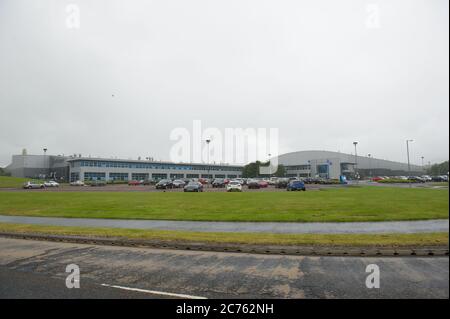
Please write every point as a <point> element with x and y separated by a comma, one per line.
<point>263,184</point>
<point>377,178</point>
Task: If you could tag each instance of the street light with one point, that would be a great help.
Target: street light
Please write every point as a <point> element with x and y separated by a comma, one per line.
<point>370,164</point>
<point>45,161</point>
<point>422,161</point>
<point>356,161</point>
<point>208,140</point>
<point>409,164</point>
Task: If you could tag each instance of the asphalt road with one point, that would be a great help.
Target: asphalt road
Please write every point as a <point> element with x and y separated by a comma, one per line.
<point>37,269</point>
<point>420,226</point>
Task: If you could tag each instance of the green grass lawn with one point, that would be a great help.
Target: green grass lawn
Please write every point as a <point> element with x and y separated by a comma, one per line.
<point>340,205</point>
<point>422,239</point>
<point>12,182</point>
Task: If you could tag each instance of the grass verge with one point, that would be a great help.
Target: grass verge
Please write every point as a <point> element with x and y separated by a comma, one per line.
<point>423,239</point>
<point>352,204</point>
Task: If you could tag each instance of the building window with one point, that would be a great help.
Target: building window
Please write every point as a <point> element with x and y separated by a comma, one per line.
<point>118,176</point>
<point>158,176</point>
<point>139,176</point>
<point>176,176</point>
<point>191,175</point>
<point>94,176</point>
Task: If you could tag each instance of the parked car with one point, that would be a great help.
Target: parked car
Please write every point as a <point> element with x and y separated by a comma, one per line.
<point>33,185</point>
<point>51,184</point>
<point>296,185</point>
<point>135,183</point>
<point>234,186</point>
<point>282,183</point>
<point>148,182</point>
<point>416,179</point>
<point>253,184</point>
<point>178,183</point>
<point>77,183</point>
<point>426,178</point>
<point>377,178</point>
<point>164,184</point>
<point>218,183</point>
<point>263,184</point>
<point>440,178</point>
<point>193,187</point>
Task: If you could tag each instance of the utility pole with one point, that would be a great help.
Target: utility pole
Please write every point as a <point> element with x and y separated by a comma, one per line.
<point>45,162</point>
<point>356,162</point>
<point>409,164</point>
<point>208,140</point>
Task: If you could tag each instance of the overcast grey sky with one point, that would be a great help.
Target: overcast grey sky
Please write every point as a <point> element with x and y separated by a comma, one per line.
<point>324,72</point>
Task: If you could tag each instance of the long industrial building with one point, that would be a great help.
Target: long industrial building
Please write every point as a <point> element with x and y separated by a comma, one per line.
<point>298,164</point>
<point>328,164</point>
<point>74,168</point>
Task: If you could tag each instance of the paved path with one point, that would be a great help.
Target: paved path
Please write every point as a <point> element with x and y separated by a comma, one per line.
<point>37,269</point>
<point>441,225</point>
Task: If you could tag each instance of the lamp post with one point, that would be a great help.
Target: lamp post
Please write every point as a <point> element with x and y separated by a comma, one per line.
<point>208,140</point>
<point>356,161</point>
<point>422,161</point>
<point>45,161</point>
<point>370,164</point>
<point>409,164</point>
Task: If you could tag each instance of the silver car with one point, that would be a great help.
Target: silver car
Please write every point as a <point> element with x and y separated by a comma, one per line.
<point>33,185</point>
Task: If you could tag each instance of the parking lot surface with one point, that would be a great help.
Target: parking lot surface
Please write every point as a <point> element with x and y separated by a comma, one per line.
<point>211,274</point>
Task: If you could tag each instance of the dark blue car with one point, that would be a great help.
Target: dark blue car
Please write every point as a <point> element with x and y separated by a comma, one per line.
<point>296,186</point>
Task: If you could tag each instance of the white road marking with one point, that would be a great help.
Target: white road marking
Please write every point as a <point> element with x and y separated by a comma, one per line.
<point>154,292</point>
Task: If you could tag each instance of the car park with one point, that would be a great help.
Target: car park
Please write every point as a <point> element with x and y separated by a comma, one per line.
<point>51,184</point>
<point>234,186</point>
<point>296,185</point>
<point>164,184</point>
<point>33,185</point>
<point>178,183</point>
<point>193,187</point>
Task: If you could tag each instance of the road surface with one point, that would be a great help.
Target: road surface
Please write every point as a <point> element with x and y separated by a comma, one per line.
<point>420,226</point>
<point>37,269</point>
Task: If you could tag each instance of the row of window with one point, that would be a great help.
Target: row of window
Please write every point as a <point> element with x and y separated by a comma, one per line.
<point>93,176</point>
<point>85,163</point>
<point>298,167</point>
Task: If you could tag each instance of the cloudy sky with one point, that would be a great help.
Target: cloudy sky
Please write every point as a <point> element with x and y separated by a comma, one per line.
<point>324,72</point>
